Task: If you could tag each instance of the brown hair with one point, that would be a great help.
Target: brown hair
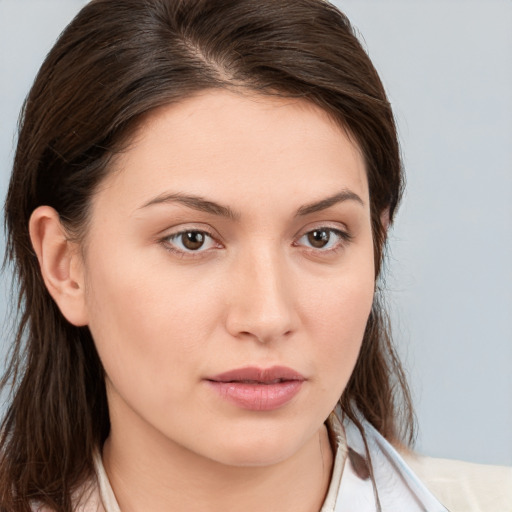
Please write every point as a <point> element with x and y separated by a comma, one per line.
<point>115,62</point>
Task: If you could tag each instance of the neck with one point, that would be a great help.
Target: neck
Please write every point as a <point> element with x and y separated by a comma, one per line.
<point>149,473</point>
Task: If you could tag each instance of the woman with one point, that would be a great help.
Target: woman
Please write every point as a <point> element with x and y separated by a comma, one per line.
<point>197,215</point>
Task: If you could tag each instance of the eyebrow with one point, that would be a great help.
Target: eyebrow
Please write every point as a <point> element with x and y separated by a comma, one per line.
<point>196,203</point>
<point>203,205</point>
<point>344,195</point>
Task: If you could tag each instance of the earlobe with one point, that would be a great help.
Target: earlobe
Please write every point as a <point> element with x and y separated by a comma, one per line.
<point>60,262</point>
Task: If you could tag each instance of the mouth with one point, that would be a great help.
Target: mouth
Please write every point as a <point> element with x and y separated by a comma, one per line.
<point>258,389</point>
<point>254,375</point>
<point>275,381</point>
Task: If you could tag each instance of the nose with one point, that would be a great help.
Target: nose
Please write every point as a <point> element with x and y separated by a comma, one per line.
<point>262,299</point>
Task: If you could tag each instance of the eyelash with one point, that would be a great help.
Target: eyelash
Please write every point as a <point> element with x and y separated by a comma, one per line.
<point>343,239</point>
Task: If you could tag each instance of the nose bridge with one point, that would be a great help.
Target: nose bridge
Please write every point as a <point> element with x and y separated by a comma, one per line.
<point>262,302</point>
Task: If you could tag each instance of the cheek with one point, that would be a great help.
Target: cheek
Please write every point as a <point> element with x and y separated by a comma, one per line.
<point>144,322</point>
<point>337,318</point>
<point>344,322</point>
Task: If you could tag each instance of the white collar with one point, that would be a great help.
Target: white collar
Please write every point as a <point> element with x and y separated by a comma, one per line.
<point>392,485</point>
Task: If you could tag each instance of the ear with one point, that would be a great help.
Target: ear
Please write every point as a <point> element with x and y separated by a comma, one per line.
<point>61,264</point>
<point>385,220</point>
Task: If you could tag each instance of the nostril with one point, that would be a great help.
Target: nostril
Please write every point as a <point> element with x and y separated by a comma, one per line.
<point>247,334</point>
<point>260,320</point>
<point>261,338</point>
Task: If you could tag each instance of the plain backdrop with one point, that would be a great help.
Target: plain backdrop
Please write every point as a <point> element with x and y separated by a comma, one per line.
<point>447,67</point>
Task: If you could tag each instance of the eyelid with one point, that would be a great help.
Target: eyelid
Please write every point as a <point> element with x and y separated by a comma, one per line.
<point>331,225</point>
<point>186,227</point>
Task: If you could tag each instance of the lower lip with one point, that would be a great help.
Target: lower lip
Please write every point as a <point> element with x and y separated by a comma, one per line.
<point>257,397</point>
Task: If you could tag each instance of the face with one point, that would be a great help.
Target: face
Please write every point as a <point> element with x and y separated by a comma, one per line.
<point>229,276</point>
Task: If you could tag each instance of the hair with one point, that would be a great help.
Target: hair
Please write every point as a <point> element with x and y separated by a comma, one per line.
<point>117,61</point>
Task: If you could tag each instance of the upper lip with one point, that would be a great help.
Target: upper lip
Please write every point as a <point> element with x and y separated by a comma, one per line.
<point>270,375</point>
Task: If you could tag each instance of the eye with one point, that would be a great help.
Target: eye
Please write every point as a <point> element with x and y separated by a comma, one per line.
<point>323,238</point>
<point>190,241</point>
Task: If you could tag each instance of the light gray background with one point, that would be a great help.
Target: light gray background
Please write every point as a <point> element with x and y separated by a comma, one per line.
<point>447,67</point>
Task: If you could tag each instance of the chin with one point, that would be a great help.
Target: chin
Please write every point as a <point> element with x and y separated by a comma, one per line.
<point>257,449</point>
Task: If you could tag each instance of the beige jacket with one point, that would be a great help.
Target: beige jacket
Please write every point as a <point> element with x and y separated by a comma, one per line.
<point>463,486</point>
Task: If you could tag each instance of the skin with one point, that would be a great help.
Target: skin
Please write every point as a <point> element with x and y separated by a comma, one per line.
<point>257,293</point>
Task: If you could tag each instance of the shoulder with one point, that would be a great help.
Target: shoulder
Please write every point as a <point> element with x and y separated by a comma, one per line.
<point>463,486</point>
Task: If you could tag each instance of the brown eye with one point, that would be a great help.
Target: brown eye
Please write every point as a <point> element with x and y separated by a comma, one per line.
<point>192,240</point>
<point>191,243</point>
<point>324,239</point>
<point>319,238</point>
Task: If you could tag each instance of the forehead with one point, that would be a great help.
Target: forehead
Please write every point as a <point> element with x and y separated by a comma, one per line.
<point>238,146</point>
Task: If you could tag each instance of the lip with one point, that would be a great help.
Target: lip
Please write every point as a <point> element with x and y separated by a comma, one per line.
<point>258,389</point>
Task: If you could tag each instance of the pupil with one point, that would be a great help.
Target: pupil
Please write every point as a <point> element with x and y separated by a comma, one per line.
<point>318,238</point>
<point>193,240</point>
